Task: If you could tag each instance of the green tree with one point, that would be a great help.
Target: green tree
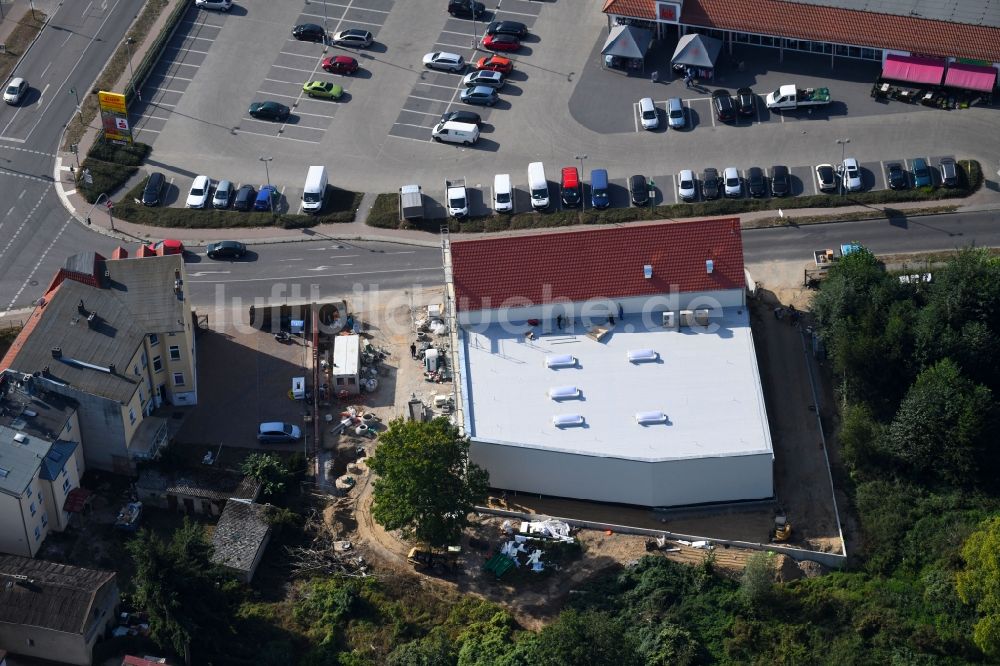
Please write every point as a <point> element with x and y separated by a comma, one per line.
<point>434,649</point>
<point>757,579</point>
<point>667,645</point>
<point>182,591</point>
<point>269,470</point>
<point>426,485</point>
<point>978,584</point>
<point>579,639</point>
<point>943,427</point>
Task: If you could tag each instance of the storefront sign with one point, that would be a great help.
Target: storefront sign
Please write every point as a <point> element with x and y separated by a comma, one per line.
<point>668,12</point>
<point>114,117</point>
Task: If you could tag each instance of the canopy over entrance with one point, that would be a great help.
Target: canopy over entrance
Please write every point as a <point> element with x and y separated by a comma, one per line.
<point>971,77</point>
<point>926,71</point>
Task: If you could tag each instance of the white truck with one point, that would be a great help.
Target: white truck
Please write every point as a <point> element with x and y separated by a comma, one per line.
<point>457,197</point>
<point>789,97</point>
<point>411,203</point>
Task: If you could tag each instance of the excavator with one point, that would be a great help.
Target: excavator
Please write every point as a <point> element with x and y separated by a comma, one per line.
<point>782,529</point>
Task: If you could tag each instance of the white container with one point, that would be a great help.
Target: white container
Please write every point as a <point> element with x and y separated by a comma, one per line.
<point>564,392</point>
<point>567,420</point>
<point>648,418</point>
<point>560,361</point>
<point>641,355</point>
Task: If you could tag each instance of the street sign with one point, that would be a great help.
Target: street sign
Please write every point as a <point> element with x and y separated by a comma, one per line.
<point>87,178</point>
<point>110,204</point>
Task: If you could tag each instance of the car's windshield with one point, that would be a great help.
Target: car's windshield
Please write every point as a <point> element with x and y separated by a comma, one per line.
<point>687,184</point>
<point>286,428</point>
<point>732,181</point>
<point>676,113</point>
<point>197,191</point>
<point>649,114</point>
<point>12,90</point>
<point>503,198</point>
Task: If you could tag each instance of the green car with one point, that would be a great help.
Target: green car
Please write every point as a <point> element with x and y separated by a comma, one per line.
<point>323,89</point>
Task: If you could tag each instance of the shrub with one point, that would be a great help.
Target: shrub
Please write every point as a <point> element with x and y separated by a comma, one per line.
<point>384,212</point>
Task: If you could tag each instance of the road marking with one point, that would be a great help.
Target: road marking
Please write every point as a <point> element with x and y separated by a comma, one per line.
<point>300,258</point>
<point>407,138</point>
<point>274,136</point>
<point>200,273</point>
<point>41,258</point>
<point>404,252</point>
<point>429,99</point>
<point>310,277</point>
<point>412,125</point>
<point>178,48</point>
<point>28,150</point>
<point>342,256</point>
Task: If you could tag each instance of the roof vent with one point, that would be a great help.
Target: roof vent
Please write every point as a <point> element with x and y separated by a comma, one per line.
<point>57,352</point>
<point>560,361</point>
<point>640,355</point>
<point>567,420</point>
<point>30,412</point>
<point>20,438</point>
<point>92,320</point>
<point>564,392</point>
<point>81,308</point>
<point>709,265</point>
<point>647,271</point>
<point>649,418</point>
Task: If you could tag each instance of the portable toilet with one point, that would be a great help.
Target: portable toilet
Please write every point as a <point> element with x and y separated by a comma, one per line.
<point>431,360</point>
<point>299,388</point>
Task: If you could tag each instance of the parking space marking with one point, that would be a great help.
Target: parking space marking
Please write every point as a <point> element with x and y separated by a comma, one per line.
<point>294,69</point>
<point>449,45</point>
<point>146,129</point>
<point>334,4</point>
<point>435,85</point>
<point>407,138</point>
<point>412,125</point>
<point>423,113</point>
<point>426,99</point>
<point>453,32</point>
<point>297,55</point>
<point>885,180</point>
<point>312,115</point>
<point>507,11</point>
<point>274,94</point>
<point>178,48</point>
<point>275,136</point>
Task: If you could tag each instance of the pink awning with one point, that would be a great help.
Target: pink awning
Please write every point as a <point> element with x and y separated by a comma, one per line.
<point>928,71</point>
<point>971,77</point>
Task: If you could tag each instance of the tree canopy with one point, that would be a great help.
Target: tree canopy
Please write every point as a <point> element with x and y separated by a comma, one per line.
<point>978,583</point>
<point>269,470</point>
<point>426,485</point>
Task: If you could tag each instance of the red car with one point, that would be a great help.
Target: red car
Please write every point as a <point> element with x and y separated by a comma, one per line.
<point>496,64</point>
<point>501,42</point>
<point>340,64</point>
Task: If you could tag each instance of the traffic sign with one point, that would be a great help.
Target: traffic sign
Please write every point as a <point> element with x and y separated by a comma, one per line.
<point>110,204</point>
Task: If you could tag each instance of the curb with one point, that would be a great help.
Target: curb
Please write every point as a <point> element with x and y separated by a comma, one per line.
<point>31,45</point>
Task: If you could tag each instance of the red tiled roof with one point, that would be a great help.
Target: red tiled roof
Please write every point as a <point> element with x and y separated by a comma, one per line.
<point>607,263</point>
<point>831,24</point>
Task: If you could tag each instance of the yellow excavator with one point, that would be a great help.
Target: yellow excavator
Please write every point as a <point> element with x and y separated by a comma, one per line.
<point>782,529</point>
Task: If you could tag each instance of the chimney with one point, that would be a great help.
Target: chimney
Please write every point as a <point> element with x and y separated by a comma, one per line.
<point>92,320</point>
<point>57,352</point>
<point>647,271</point>
<point>111,368</point>
<point>81,308</point>
<point>709,266</point>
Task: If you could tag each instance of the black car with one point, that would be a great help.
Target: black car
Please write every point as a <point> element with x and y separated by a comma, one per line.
<point>756,182</point>
<point>896,176</point>
<point>309,32</point>
<point>466,8</point>
<point>746,102</point>
<point>245,197</point>
<point>470,117</point>
<point>227,249</point>
<point>781,182</point>
<point>515,28</point>
<point>638,190</point>
<point>723,104</point>
<point>154,189</point>
<point>710,183</point>
<point>268,111</point>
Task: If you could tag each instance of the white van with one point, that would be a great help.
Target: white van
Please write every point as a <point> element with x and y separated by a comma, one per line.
<point>314,190</point>
<point>538,186</point>
<point>452,132</point>
<point>503,194</point>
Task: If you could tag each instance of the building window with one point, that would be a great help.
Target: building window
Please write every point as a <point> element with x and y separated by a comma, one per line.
<point>131,416</point>
<point>351,381</point>
<point>45,519</point>
<point>142,397</point>
<point>175,353</point>
<point>65,485</point>
<point>178,379</point>
<point>29,493</point>
<point>143,360</point>
<point>40,497</point>
<point>157,364</point>
<point>154,339</point>
<point>135,369</point>
<point>38,533</point>
<point>65,471</point>
<point>32,508</point>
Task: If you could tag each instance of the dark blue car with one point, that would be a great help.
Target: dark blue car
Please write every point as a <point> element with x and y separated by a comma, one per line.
<point>267,197</point>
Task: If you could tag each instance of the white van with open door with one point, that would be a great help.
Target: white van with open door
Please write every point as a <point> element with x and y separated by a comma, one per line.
<point>538,186</point>
<point>503,194</point>
<point>314,190</point>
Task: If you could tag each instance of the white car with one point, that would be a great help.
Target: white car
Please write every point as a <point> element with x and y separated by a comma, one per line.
<point>14,92</point>
<point>732,182</point>
<point>354,37</point>
<point>647,114</point>
<point>851,175</point>
<point>221,5</point>
<point>826,177</point>
<point>686,185</point>
<point>198,195</point>
<point>449,62</point>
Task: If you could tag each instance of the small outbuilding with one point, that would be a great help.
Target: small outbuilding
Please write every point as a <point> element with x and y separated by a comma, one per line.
<point>241,537</point>
<point>346,364</point>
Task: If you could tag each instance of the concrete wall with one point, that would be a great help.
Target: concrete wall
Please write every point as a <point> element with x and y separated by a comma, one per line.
<point>14,538</point>
<point>668,483</point>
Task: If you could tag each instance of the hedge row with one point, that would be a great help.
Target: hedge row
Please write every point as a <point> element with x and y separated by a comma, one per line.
<point>110,166</point>
<point>384,212</point>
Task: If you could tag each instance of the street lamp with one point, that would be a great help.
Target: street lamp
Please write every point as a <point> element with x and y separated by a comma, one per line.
<point>583,200</point>
<point>32,3</point>
<point>104,195</point>
<point>270,197</point>
<point>131,75</point>
<point>843,153</point>
<point>79,109</point>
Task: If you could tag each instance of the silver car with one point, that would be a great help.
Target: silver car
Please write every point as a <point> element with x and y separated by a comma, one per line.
<point>223,194</point>
<point>449,62</point>
<point>353,37</point>
<point>484,78</point>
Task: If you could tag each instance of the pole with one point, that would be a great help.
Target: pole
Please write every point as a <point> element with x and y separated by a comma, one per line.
<point>843,153</point>
<point>79,109</point>
<point>32,3</point>
<point>583,200</point>
<point>131,75</point>
<point>267,174</point>
<point>110,216</point>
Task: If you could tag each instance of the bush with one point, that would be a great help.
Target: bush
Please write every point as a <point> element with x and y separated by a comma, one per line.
<point>128,155</point>
<point>384,212</point>
<point>110,166</point>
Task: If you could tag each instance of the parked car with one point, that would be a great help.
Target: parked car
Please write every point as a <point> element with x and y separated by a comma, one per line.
<point>245,198</point>
<point>449,62</point>
<point>723,105</point>
<point>501,42</point>
<point>221,5</point>
<point>198,194</point>
<point>467,117</point>
<point>227,249</point>
<point>569,188</point>
<point>756,183</point>
<point>269,111</point>
<point>851,173</point>
<point>732,183</point>
<point>340,64</point>
<point>515,28</point>
<point>496,63</point>
<point>686,188</point>
<point>466,8</point>
<point>323,89</point>
<point>152,193</point>
<point>675,113</point>
<point>949,172</point>
<point>895,175</point>
<point>309,32</point>
<point>638,190</point>
<point>487,78</point>
<point>223,194</point>
<point>166,246</point>
<point>267,197</point>
<point>781,181</point>
<point>746,102</point>
<point>826,177</point>
<point>276,431</point>
<point>599,197</point>
<point>710,184</point>
<point>648,116</point>
<point>353,37</point>
<point>480,95</point>
<point>921,173</point>
<point>15,90</point>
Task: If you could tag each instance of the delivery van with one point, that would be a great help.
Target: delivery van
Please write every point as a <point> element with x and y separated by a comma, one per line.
<point>538,186</point>
<point>503,194</point>
<point>453,132</point>
<point>314,190</point>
